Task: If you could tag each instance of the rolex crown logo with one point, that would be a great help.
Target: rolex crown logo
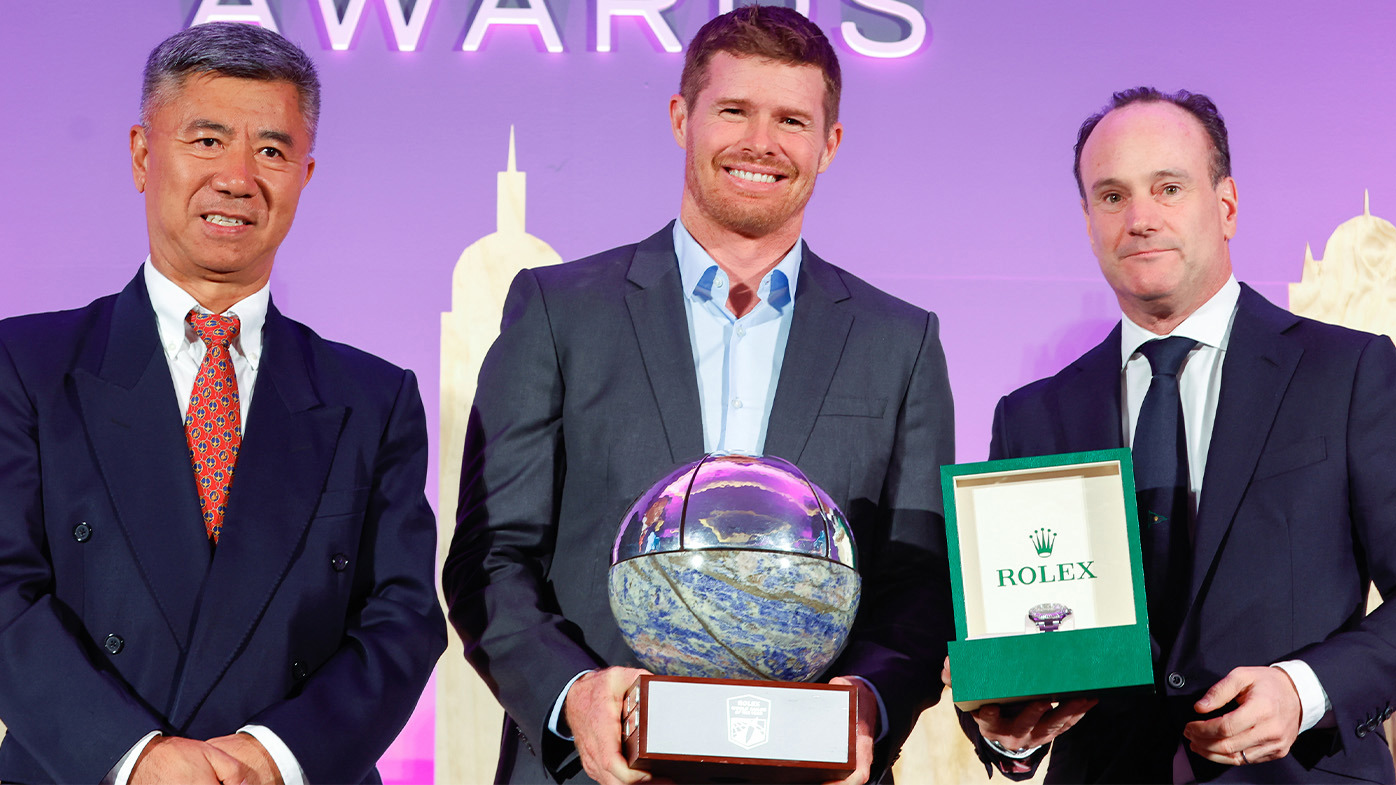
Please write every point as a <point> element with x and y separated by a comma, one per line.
<point>1042,542</point>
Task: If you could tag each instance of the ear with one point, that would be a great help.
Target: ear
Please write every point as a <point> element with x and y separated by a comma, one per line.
<point>1227,198</point>
<point>831,146</point>
<point>678,120</point>
<point>309,170</point>
<point>140,155</point>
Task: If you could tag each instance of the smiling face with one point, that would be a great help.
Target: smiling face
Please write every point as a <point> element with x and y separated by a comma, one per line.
<point>222,166</point>
<point>1158,226</point>
<point>755,139</point>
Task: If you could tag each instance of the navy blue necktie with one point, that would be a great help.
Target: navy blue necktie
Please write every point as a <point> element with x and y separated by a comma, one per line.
<point>1161,481</point>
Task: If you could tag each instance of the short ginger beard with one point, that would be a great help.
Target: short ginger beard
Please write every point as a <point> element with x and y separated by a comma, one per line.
<point>748,220</point>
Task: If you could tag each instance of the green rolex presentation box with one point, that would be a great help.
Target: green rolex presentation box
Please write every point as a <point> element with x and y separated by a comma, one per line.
<point>1047,578</point>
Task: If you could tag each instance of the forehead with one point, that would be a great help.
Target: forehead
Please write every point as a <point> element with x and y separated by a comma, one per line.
<point>752,78</point>
<point>234,102</point>
<point>1146,137</point>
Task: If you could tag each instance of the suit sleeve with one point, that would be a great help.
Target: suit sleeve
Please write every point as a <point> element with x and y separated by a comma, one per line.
<point>68,711</point>
<point>904,617</point>
<point>353,706</point>
<point>495,576</point>
<point>1357,667</point>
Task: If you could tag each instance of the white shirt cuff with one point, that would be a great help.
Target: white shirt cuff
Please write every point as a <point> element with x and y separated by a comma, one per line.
<point>120,774</point>
<point>1313,699</point>
<point>557,709</point>
<point>1023,754</point>
<point>286,763</point>
<point>881,707</point>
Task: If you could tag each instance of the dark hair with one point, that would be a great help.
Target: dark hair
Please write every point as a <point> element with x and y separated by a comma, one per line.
<point>1195,104</point>
<point>768,31</point>
<point>245,51</point>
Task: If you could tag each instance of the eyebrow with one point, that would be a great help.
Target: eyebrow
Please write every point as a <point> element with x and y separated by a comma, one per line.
<point>209,125</point>
<point>783,111</point>
<point>277,136</point>
<point>1158,174</point>
<point>265,134</point>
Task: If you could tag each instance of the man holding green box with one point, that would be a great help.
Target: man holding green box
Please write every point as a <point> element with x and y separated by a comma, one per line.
<point>1264,454</point>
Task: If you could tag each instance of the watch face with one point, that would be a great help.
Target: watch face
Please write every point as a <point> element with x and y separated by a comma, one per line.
<point>1048,616</point>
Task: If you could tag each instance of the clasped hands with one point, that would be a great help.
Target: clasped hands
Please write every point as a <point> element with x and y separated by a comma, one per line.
<point>1262,726</point>
<point>230,760</point>
<point>593,707</point>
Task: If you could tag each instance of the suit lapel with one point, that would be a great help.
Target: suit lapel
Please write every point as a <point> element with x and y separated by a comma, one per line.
<point>1256,372</point>
<point>134,425</point>
<point>818,332</point>
<point>1087,406</point>
<point>287,449</point>
<point>661,328</point>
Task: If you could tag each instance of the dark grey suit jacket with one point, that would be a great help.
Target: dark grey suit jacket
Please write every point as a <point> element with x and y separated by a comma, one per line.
<point>1297,519</point>
<point>590,394</point>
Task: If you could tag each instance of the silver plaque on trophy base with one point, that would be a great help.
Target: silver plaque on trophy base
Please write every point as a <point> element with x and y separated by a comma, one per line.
<point>740,731</point>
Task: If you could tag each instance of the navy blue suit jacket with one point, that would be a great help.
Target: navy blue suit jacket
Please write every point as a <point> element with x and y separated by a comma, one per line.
<point>316,616</point>
<point>1297,518</point>
<point>590,394</point>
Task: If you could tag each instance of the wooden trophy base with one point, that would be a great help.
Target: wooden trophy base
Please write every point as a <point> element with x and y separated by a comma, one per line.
<point>695,730</point>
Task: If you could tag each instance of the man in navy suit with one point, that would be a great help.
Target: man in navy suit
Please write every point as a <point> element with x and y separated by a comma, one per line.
<point>198,585</point>
<point>1275,672</point>
<point>722,331</point>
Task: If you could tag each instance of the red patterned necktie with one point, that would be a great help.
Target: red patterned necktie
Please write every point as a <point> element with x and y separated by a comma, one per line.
<point>214,416</point>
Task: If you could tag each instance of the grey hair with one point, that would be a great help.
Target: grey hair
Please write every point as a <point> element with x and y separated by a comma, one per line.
<point>244,51</point>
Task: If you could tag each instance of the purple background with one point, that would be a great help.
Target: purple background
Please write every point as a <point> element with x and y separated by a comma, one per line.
<point>952,189</point>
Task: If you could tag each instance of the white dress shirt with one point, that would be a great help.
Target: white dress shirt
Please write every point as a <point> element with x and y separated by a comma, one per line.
<point>184,350</point>
<point>1199,385</point>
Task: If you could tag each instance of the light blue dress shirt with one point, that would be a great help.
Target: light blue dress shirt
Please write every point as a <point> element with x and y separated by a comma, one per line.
<point>737,360</point>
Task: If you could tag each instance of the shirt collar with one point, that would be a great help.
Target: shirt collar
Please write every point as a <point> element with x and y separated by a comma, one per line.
<point>1209,325</point>
<point>697,271</point>
<point>172,304</point>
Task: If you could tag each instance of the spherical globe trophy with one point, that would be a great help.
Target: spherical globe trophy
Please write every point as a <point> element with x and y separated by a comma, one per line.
<point>737,567</point>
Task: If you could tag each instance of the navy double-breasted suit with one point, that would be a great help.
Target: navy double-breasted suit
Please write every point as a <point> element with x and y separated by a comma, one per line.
<point>316,614</point>
<point>1297,518</point>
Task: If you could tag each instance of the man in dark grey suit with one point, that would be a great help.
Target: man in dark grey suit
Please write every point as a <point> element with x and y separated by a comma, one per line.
<point>720,332</point>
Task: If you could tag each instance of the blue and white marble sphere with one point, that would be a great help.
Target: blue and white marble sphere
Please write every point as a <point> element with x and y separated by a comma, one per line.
<point>735,567</point>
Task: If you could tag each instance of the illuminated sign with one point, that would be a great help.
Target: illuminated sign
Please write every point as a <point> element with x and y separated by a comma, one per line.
<point>407,21</point>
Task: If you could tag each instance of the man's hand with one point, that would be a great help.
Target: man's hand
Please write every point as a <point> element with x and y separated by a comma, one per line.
<point>1017,726</point>
<point>251,754</point>
<point>864,733</point>
<point>1262,726</point>
<point>169,759</point>
<point>593,709</point>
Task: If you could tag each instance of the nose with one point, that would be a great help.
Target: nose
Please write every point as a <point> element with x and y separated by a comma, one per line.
<point>1144,217</point>
<point>757,139</point>
<point>235,176</point>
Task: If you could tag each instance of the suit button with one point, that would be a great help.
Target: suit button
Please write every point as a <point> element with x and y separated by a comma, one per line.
<point>113,644</point>
<point>1176,680</point>
<point>298,670</point>
<point>82,532</point>
<point>339,562</point>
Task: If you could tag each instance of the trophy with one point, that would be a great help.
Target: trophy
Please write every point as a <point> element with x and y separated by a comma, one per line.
<point>734,578</point>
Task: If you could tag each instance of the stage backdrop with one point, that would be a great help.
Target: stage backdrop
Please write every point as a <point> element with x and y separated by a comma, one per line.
<point>953,187</point>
